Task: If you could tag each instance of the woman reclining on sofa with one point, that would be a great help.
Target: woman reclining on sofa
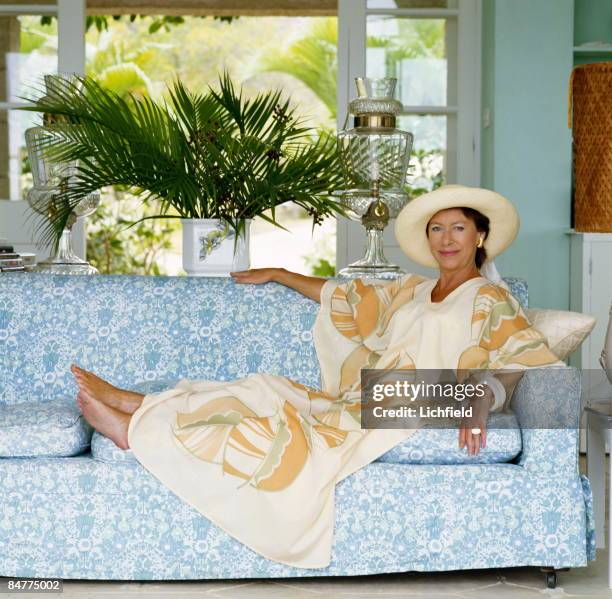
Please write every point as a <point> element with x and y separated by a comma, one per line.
<point>260,456</point>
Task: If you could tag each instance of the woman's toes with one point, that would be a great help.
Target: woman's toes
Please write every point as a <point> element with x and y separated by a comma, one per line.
<point>80,372</point>
<point>86,395</point>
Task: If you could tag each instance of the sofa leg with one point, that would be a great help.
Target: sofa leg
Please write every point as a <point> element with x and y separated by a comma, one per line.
<point>551,576</point>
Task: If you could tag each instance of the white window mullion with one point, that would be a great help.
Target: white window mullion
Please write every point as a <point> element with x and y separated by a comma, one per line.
<point>71,59</point>
<point>17,221</point>
<point>469,92</point>
<point>351,64</point>
<point>71,36</point>
<point>28,9</point>
<point>11,105</point>
<point>429,110</point>
<point>416,13</point>
<point>451,155</point>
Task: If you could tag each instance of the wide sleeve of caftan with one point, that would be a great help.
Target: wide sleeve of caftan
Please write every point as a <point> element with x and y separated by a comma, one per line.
<point>503,337</point>
<point>353,326</point>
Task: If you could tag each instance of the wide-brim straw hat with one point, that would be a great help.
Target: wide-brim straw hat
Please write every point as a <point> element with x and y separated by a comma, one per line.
<point>411,222</point>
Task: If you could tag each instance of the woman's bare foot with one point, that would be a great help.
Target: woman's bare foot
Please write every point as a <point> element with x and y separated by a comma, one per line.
<point>110,422</point>
<point>101,390</point>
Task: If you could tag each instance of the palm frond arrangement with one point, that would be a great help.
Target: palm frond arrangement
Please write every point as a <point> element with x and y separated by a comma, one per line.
<point>210,155</point>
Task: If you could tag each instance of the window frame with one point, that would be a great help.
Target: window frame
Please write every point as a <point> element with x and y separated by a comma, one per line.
<point>352,22</point>
<point>463,147</point>
<point>70,59</point>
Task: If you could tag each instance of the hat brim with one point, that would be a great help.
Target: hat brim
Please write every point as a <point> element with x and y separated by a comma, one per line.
<point>411,223</point>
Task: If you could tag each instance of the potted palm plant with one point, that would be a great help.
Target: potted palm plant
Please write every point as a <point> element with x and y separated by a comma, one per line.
<point>217,159</point>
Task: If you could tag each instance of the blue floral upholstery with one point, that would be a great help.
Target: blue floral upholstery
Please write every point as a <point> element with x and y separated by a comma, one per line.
<point>134,328</point>
<point>85,518</point>
<point>105,450</point>
<point>439,446</point>
<point>518,287</point>
<point>37,429</point>
<point>115,521</point>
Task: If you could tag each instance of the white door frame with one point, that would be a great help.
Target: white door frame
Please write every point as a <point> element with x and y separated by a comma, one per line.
<point>352,17</point>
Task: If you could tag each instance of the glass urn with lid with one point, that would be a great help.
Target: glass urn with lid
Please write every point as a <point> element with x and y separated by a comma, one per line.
<point>50,178</point>
<point>374,156</point>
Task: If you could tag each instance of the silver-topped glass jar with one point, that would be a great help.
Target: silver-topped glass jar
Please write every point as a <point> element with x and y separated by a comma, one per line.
<point>374,156</point>
<point>50,178</point>
<point>374,150</point>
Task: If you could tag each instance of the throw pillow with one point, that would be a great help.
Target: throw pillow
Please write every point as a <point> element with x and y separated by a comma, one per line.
<point>565,331</point>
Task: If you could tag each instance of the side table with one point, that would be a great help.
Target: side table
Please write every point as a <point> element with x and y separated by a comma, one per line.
<point>599,431</point>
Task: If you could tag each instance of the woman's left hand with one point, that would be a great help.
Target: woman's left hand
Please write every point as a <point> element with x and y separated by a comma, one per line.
<point>480,414</point>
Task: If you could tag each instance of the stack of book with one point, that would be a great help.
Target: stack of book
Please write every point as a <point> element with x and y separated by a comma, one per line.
<point>10,260</point>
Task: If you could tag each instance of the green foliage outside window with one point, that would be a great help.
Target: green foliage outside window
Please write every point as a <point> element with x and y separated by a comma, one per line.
<point>115,249</point>
<point>125,57</point>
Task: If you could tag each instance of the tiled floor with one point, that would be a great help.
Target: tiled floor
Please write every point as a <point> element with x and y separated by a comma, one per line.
<point>515,583</point>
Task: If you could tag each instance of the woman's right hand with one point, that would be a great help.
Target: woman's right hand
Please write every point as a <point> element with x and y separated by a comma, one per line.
<point>255,276</point>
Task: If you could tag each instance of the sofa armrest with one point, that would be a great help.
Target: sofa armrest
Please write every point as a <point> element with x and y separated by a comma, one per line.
<point>547,403</point>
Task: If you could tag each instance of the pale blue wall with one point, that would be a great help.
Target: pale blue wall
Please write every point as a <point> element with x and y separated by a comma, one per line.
<point>526,152</point>
<point>593,21</point>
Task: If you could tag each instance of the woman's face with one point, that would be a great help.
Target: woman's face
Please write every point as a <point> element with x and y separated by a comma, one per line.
<point>452,239</point>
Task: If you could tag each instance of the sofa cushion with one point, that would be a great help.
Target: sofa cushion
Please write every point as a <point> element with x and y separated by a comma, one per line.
<point>440,446</point>
<point>154,386</point>
<point>426,446</point>
<point>43,429</point>
<point>105,450</point>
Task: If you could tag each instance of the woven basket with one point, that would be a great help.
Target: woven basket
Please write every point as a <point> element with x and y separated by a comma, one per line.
<point>590,115</point>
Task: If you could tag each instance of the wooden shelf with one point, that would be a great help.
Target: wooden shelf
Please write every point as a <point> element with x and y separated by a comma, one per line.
<point>607,49</point>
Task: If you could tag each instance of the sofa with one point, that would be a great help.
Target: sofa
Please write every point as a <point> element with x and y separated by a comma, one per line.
<point>75,506</point>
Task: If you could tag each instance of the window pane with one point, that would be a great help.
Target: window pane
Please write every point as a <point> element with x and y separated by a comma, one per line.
<point>414,52</point>
<point>297,55</point>
<point>28,2</point>
<point>15,174</point>
<point>428,161</point>
<point>28,50</point>
<point>294,54</point>
<point>386,4</point>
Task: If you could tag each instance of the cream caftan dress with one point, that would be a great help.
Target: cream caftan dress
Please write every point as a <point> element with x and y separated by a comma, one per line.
<point>260,456</point>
